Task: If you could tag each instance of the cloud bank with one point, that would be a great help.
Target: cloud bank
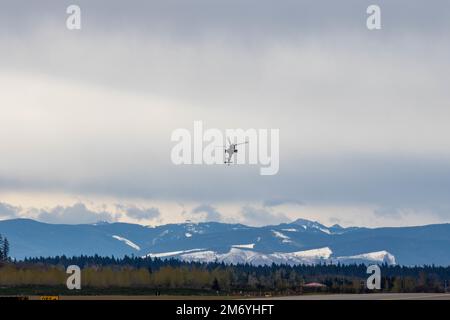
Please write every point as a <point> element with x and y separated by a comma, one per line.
<point>363,116</point>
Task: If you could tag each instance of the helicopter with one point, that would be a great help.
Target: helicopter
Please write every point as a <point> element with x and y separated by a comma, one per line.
<point>231,150</point>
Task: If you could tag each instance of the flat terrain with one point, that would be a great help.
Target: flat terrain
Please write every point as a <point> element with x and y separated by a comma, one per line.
<point>139,297</point>
<point>372,296</point>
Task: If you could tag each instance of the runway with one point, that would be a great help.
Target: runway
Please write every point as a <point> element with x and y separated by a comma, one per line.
<point>343,297</point>
<point>371,296</point>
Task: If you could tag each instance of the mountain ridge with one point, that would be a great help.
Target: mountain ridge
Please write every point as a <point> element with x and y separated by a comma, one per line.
<point>412,245</point>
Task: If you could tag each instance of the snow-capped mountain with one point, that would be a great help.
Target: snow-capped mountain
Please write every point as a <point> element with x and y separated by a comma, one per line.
<point>245,256</point>
<point>300,241</point>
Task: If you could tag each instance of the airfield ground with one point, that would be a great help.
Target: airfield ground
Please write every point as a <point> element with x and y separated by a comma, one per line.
<point>372,296</point>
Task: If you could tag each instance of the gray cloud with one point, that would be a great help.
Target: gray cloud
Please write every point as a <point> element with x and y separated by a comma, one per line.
<point>160,42</point>
<point>8,211</point>
<point>260,217</point>
<point>253,16</point>
<point>140,213</point>
<point>334,220</point>
<point>441,210</point>
<point>211,213</point>
<point>277,201</point>
<point>390,212</point>
<point>76,214</point>
<point>363,116</point>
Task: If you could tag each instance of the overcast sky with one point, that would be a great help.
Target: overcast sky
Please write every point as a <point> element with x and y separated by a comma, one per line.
<point>87,115</point>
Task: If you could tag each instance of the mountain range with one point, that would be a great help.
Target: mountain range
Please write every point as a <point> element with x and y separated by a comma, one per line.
<point>301,241</point>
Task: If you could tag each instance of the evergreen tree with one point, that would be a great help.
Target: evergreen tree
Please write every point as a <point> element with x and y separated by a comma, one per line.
<point>2,256</point>
<point>5,249</point>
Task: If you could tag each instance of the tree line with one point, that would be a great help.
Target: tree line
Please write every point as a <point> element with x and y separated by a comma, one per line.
<point>172,274</point>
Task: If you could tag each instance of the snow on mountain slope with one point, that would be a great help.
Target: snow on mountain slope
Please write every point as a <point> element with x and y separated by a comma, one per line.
<point>323,253</point>
<point>302,257</point>
<point>244,246</point>
<point>234,256</point>
<point>284,238</point>
<point>170,254</point>
<point>128,242</point>
<point>201,256</point>
<point>242,256</point>
<point>376,257</point>
<point>325,230</point>
<point>312,225</point>
<point>314,256</point>
<point>237,256</point>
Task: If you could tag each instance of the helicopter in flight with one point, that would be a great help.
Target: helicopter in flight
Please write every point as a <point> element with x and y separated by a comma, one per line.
<point>231,150</point>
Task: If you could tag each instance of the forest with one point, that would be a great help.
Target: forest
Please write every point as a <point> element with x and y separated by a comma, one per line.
<point>137,275</point>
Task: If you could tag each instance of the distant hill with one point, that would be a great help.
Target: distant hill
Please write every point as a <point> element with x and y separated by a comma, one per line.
<point>301,241</point>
